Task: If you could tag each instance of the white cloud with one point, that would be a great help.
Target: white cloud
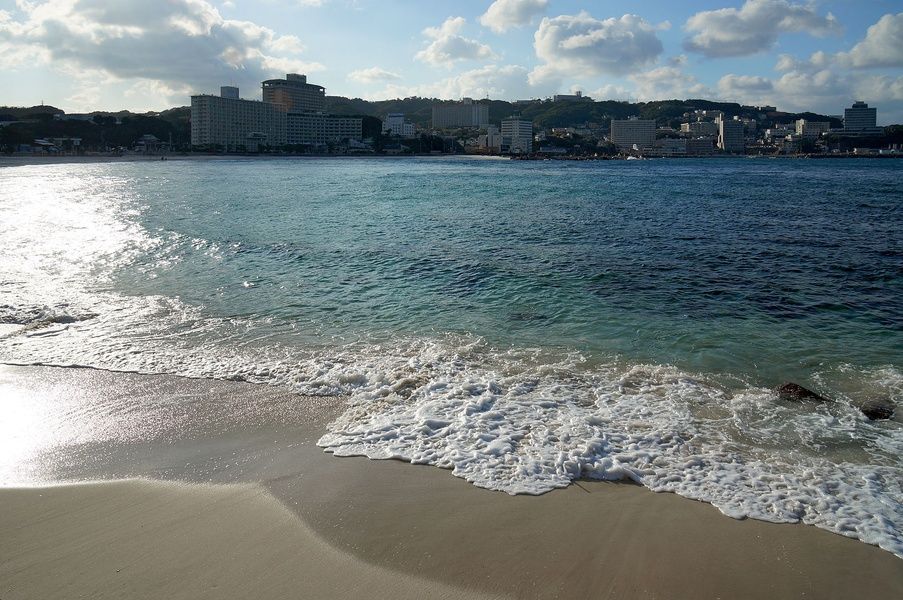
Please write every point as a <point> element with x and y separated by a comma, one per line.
<point>610,91</point>
<point>667,83</point>
<point>448,46</point>
<point>493,81</point>
<point>754,27</point>
<point>580,45</point>
<point>372,75</point>
<point>817,62</point>
<point>747,89</point>
<point>175,45</point>
<point>880,88</point>
<point>882,46</point>
<point>502,15</point>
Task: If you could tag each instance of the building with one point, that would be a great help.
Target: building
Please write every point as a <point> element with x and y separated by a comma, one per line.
<point>699,128</point>
<point>811,130</point>
<point>700,146</point>
<point>731,137</point>
<point>294,94</point>
<point>232,124</point>
<point>492,140</point>
<point>671,147</point>
<point>317,129</point>
<point>633,132</point>
<point>394,124</point>
<point>465,113</point>
<point>859,117</point>
<point>575,97</point>
<point>774,133</point>
<point>517,136</point>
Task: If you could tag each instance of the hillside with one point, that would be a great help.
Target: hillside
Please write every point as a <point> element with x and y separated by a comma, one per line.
<point>545,113</point>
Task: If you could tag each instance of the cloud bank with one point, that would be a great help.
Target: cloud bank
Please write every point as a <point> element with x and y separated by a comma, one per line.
<point>580,45</point>
<point>177,45</point>
<point>754,27</point>
<point>448,46</point>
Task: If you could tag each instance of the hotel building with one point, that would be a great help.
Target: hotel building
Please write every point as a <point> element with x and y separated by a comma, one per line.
<point>233,123</point>
<point>627,133</point>
<point>291,113</point>
<point>320,130</point>
<point>294,94</point>
<point>517,136</point>
<point>466,113</point>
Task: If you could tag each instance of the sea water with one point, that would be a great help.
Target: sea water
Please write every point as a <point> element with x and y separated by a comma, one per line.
<point>523,324</point>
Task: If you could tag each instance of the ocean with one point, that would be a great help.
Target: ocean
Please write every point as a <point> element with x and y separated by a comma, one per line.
<point>522,323</point>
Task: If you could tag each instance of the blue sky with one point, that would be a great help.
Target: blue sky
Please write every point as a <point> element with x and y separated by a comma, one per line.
<point>152,54</point>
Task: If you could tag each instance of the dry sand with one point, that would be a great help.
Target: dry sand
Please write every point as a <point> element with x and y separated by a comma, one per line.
<point>269,515</point>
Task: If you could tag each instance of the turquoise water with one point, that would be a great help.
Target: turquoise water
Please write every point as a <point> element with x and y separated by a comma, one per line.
<point>523,323</point>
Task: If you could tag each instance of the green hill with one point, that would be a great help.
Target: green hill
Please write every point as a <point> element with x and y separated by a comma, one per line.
<point>545,113</point>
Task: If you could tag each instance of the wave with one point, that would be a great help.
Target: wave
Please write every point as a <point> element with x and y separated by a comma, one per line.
<point>530,420</point>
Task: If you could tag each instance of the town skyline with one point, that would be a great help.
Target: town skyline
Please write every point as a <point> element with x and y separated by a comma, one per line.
<point>816,56</point>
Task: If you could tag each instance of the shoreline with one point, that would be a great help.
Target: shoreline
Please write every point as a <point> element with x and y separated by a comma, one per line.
<point>198,445</point>
<point>23,160</point>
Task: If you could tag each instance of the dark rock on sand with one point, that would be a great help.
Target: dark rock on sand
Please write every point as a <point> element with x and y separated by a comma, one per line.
<point>878,408</point>
<point>796,393</point>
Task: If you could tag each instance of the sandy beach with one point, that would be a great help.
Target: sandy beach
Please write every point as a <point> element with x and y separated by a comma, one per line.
<point>190,488</point>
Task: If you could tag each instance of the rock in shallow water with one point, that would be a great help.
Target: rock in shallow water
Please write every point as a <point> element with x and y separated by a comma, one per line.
<point>878,409</point>
<point>795,392</point>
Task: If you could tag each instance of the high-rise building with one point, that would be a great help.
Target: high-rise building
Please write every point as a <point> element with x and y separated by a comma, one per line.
<point>228,123</point>
<point>294,94</point>
<point>627,133</point>
<point>859,117</point>
<point>517,136</point>
<point>466,113</point>
<point>731,137</point>
<point>235,124</point>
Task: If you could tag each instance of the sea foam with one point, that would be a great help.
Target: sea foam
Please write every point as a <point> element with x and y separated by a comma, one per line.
<point>528,421</point>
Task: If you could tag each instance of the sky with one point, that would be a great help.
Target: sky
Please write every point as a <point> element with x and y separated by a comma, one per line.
<point>819,55</point>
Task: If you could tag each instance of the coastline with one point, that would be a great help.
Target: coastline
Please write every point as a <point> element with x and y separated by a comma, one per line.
<point>257,503</point>
<point>24,160</point>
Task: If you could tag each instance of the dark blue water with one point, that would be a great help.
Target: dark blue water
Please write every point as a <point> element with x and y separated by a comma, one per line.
<point>759,268</point>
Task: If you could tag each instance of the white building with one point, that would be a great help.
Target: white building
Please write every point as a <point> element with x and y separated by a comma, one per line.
<point>320,130</point>
<point>811,130</point>
<point>731,137</point>
<point>230,123</point>
<point>517,136</point>
<point>492,140</point>
<point>633,132</point>
<point>394,124</point>
<point>466,113</point>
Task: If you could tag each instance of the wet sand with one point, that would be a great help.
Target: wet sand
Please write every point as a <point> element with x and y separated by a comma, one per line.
<point>265,513</point>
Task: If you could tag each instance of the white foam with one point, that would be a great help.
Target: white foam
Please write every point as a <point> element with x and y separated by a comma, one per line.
<point>527,422</point>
